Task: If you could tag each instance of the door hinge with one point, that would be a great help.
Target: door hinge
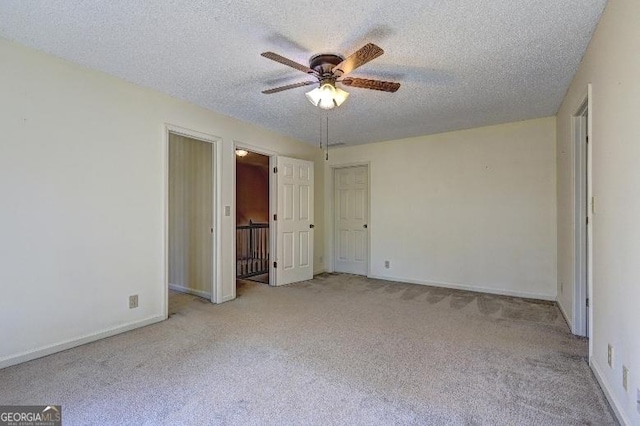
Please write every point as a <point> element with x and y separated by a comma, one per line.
<point>587,220</point>
<point>275,170</point>
<point>275,217</point>
<point>587,139</point>
<point>275,264</point>
<point>587,302</point>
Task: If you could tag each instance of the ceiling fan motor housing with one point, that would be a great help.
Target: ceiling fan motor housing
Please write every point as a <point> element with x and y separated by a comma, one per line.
<point>323,64</point>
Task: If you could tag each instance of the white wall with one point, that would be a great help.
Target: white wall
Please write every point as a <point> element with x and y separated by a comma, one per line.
<point>471,209</point>
<point>82,187</point>
<point>612,65</point>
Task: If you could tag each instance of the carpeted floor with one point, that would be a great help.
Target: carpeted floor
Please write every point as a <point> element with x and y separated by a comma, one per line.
<point>339,349</point>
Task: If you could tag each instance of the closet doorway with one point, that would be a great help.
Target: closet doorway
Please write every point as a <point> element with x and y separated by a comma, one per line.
<point>191,222</point>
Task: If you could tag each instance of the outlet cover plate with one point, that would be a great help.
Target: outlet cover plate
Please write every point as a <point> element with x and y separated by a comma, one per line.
<point>133,301</point>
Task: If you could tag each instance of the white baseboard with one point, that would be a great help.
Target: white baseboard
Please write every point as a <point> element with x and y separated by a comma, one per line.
<point>227,298</point>
<point>565,316</point>
<point>597,371</point>
<point>502,292</point>
<point>183,289</point>
<point>72,343</point>
<point>319,271</point>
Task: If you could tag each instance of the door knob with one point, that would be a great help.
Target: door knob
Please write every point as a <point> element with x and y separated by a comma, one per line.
<point>312,226</point>
<point>365,226</point>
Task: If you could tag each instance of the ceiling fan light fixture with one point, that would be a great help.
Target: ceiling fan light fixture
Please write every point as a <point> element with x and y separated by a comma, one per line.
<point>327,96</point>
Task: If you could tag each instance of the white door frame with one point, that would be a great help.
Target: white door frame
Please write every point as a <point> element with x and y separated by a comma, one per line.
<point>330,234</point>
<point>273,206</point>
<point>216,142</point>
<point>583,212</point>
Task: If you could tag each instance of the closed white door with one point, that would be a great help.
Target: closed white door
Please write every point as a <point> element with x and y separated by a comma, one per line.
<point>351,216</point>
<point>294,221</point>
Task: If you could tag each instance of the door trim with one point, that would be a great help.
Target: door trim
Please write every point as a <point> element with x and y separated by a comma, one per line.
<point>590,212</point>
<point>583,209</point>
<point>216,290</point>
<point>329,209</point>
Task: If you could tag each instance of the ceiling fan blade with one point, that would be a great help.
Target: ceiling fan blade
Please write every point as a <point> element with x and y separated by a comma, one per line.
<point>365,83</point>
<point>289,86</point>
<point>366,53</point>
<point>287,62</point>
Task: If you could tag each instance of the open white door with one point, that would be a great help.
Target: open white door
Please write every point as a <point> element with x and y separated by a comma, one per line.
<point>294,221</point>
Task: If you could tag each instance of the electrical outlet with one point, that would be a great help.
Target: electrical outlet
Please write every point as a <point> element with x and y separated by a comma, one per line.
<point>625,378</point>
<point>610,356</point>
<point>387,264</point>
<point>561,287</point>
<point>133,301</point>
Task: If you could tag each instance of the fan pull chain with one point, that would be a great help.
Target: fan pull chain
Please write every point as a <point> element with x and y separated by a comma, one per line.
<point>320,132</point>
<point>327,144</point>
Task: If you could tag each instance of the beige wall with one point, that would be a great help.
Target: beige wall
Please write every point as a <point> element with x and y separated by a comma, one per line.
<point>472,209</point>
<point>83,162</point>
<point>612,65</point>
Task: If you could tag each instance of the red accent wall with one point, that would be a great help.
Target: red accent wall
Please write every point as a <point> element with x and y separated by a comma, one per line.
<point>252,193</point>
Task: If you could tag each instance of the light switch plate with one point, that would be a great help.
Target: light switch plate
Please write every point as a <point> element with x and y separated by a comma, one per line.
<point>625,378</point>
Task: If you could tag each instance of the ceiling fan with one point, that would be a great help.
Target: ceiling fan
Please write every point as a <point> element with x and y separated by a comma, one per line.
<point>329,69</point>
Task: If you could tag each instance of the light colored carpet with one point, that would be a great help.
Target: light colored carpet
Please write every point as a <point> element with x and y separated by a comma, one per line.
<point>339,349</point>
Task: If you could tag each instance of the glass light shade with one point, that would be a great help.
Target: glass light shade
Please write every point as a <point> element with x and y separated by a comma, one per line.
<point>327,96</point>
<point>241,153</point>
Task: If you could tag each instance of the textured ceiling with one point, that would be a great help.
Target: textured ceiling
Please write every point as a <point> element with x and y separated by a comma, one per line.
<point>462,63</point>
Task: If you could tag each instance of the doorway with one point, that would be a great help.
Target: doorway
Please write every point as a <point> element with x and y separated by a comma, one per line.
<point>583,209</point>
<point>290,197</point>
<point>351,219</point>
<point>191,223</point>
<point>253,233</point>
